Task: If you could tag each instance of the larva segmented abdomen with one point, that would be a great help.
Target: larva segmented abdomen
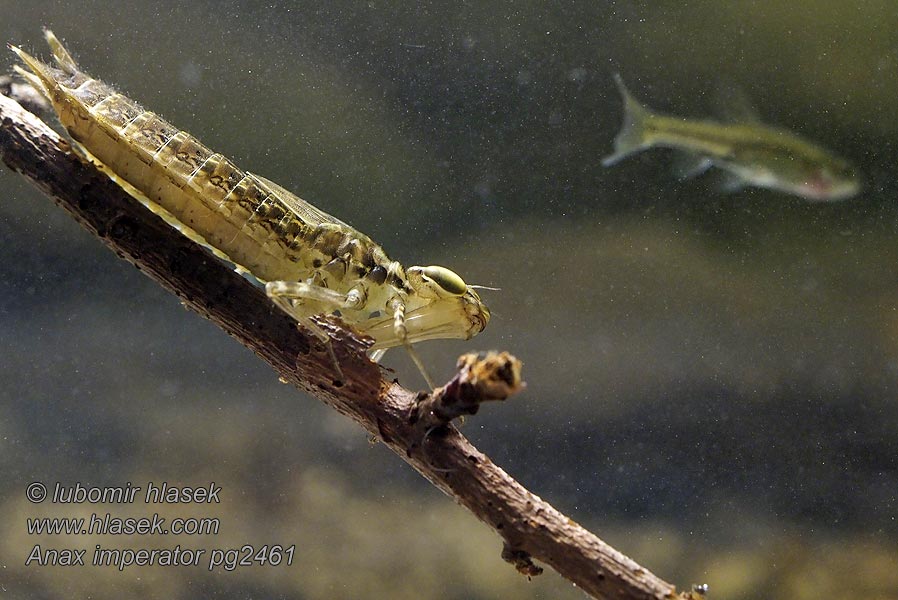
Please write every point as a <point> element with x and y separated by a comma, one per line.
<point>229,209</point>
<point>249,220</point>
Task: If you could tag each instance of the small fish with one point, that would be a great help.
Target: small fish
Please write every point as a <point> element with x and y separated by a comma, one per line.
<point>751,153</point>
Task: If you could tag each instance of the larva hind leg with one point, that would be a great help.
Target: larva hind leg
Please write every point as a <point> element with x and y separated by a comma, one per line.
<point>303,300</point>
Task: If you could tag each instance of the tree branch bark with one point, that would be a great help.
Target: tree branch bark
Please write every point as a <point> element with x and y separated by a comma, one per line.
<point>528,525</point>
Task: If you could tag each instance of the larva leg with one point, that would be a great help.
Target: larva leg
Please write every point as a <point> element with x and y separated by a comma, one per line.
<point>398,308</point>
<point>378,354</point>
<point>302,300</point>
<point>284,292</point>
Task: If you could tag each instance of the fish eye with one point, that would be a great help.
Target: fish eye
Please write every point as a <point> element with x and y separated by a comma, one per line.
<point>446,279</point>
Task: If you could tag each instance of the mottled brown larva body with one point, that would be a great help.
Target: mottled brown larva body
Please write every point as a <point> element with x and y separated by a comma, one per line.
<point>313,262</point>
<point>233,211</point>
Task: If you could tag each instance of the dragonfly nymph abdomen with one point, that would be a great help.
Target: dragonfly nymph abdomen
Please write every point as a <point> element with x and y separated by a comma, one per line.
<point>311,262</point>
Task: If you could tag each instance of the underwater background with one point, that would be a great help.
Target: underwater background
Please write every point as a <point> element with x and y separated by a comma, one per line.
<point>711,376</point>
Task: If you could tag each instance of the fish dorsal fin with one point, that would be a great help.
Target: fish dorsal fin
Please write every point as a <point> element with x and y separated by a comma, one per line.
<point>733,105</point>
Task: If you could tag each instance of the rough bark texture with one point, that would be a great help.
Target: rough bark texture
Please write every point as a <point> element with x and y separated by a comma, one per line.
<point>528,525</point>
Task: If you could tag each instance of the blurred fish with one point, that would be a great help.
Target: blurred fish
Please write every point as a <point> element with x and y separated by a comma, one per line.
<point>750,153</point>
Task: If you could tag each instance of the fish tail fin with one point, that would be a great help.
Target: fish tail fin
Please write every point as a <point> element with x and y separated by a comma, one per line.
<point>631,137</point>
<point>42,76</point>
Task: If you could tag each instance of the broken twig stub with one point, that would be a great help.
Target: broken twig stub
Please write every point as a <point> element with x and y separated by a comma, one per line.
<point>482,377</point>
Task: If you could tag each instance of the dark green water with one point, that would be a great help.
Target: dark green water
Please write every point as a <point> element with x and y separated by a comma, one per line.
<point>711,377</point>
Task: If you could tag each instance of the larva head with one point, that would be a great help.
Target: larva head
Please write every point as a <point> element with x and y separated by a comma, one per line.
<point>442,305</point>
<point>439,305</point>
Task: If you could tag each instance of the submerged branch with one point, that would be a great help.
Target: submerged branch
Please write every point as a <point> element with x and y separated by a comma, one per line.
<point>529,526</point>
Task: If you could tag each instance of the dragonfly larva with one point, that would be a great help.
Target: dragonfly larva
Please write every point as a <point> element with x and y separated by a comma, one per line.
<point>311,262</point>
